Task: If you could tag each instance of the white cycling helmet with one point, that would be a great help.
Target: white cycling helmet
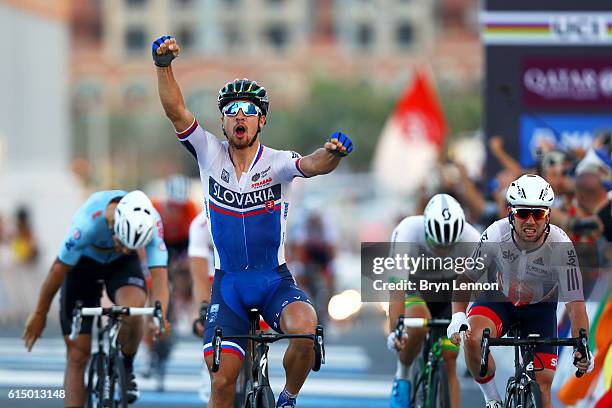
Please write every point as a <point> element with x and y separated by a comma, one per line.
<point>530,190</point>
<point>134,221</point>
<point>444,220</point>
<point>177,188</point>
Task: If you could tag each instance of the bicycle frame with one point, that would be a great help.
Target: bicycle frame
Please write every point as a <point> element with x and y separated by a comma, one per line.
<point>259,348</point>
<point>524,373</point>
<point>110,333</point>
<point>431,352</point>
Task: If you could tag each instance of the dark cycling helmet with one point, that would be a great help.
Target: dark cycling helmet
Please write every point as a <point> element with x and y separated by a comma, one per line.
<point>244,89</point>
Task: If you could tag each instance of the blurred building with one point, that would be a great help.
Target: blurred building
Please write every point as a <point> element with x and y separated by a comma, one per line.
<point>281,43</point>
<point>35,146</point>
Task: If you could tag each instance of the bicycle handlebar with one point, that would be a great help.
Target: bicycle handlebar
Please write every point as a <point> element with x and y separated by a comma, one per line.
<point>114,311</point>
<point>417,322</point>
<point>261,337</point>
<point>580,343</point>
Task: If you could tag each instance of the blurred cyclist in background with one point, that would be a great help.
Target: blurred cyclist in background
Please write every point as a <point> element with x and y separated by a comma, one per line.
<point>440,232</point>
<point>177,211</point>
<point>314,249</point>
<point>202,275</point>
<point>101,244</point>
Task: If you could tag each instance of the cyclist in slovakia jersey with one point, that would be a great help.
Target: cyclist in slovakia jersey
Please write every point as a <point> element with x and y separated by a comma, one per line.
<point>247,190</point>
<point>535,264</point>
<point>440,232</point>
<point>101,244</point>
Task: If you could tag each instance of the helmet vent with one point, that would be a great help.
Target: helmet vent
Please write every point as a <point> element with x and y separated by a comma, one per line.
<point>447,233</point>
<point>438,234</point>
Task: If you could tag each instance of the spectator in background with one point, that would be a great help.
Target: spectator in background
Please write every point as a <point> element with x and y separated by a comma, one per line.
<point>496,145</point>
<point>24,246</point>
<point>590,216</point>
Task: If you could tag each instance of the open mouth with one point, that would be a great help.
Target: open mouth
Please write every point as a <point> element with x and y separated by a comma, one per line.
<point>240,130</point>
<point>529,231</point>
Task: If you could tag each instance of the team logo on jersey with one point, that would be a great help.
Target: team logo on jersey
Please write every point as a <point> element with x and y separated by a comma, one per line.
<point>212,313</point>
<point>265,172</point>
<point>262,183</point>
<point>286,210</point>
<point>70,244</point>
<point>96,214</point>
<point>270,205</point>
<point>255,177</point>
<point>76,234</point>
<point>509,255</point>
<point>225,176</point>
<point>539,261</point>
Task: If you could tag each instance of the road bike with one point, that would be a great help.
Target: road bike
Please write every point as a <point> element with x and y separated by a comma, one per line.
<point>253,386</point>
<point>428,377</point>
<point>522,390</point>
<point>106,379</point>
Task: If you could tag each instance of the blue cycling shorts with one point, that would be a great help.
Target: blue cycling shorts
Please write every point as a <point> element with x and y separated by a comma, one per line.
<point>235,293</point>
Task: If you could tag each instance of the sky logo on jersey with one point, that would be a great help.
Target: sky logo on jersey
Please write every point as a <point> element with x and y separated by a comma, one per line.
<point>243,200</point>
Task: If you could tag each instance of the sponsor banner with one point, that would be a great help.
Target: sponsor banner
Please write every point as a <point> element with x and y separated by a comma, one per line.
<point>567,82</point>
<point>543,27</point>
<point>543,131</point>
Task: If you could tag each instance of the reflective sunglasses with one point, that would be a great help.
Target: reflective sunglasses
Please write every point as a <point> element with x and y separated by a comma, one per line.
<point>248,109</point>
<point>524,213</point>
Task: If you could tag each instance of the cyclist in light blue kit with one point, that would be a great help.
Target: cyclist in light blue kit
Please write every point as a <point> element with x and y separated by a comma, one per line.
<point>101,245</point>
<point>246,202</point>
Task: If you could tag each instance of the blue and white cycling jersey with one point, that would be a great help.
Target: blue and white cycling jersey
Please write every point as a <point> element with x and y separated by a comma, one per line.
<point>90,236</point>
<point>247,217</point>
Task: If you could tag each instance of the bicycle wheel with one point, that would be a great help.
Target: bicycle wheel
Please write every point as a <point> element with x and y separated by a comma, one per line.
<point>243,385</point>
<point>264,397</point>
<point>118,384</point>
<point>533,396</point>
<point>438,392</point>
<point>95,380</point>
<point>417,384</point>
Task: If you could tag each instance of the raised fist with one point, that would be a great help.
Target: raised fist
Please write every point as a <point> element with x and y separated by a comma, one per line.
<point>164,50</point>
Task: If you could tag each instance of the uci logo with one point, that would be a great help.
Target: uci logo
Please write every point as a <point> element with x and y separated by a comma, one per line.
<point>446,214</point>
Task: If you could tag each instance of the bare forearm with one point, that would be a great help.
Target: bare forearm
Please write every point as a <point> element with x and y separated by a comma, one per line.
<point>472,198</point>
<point>51,285</point>
<point>578,317</point>
<point>172,99</point>
<point>507,161</point>
<point>198,267</point>
<point>160,287</point>
<point>396,308</point>
<point>319,162</point>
